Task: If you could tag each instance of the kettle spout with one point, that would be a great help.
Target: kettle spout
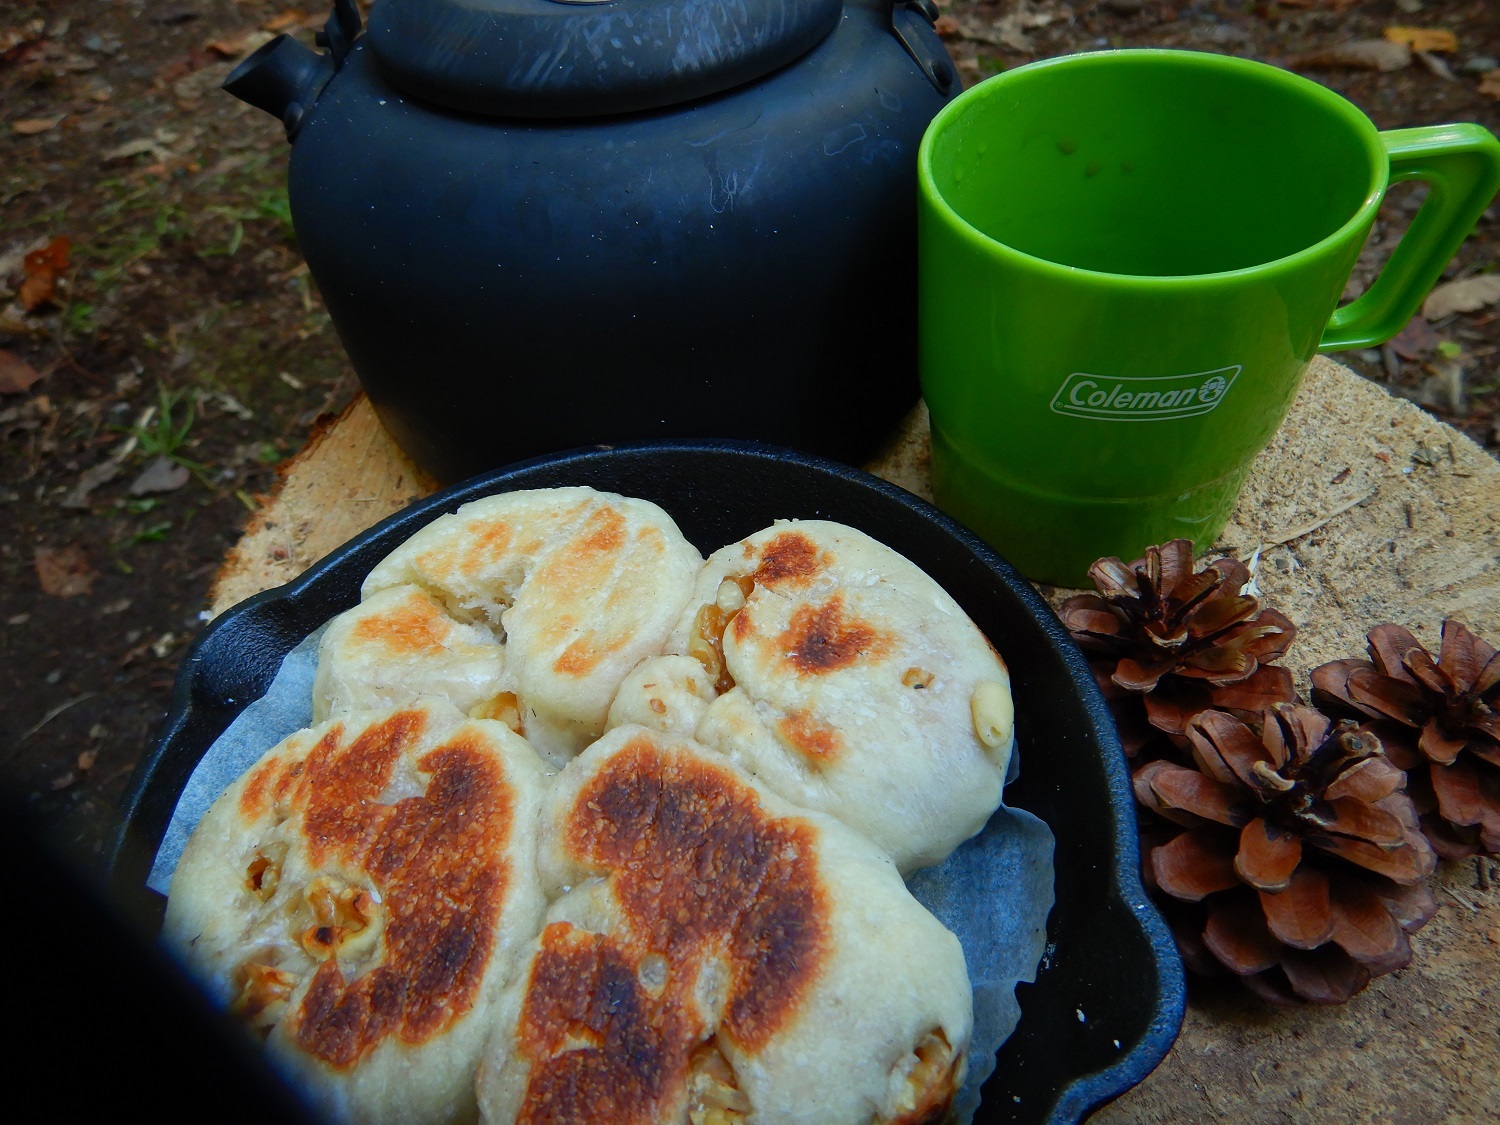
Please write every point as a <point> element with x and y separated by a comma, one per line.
<point>283,78</point>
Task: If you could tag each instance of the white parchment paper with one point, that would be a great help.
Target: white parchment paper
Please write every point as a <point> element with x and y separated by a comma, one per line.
<point>994,891</point>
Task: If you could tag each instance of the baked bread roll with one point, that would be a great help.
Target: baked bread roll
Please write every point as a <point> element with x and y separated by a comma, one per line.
<point>576,587</point>
<point>399,645</point>
<point>716,955</point>
<point>360,897</point>
<point>851,683</point>
<point>668,694</point>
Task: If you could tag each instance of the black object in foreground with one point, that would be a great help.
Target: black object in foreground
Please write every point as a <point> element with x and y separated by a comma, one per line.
<point>636,221</point>
<point>1108,998</point>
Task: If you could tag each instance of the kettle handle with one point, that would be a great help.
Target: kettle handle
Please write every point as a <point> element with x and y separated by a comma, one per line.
<point>912,21</point>
<point>341,30</point>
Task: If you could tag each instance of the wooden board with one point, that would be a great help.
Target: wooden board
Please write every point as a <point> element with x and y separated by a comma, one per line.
<point>1363,509</point>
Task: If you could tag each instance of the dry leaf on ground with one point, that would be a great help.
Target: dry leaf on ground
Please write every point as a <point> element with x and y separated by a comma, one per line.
<point>1416,341</point>
<point>1489,84</point>
<point>1366,54</point>
<point>44,268</point>
<point>16,375</point>
<point>139,147</point>
<point>64,572</point>
<point>1423,38</point>
<point>1465,295</point>
<point>31,126</point>
<point>88,480</point>
<point>1436,65</point>
<point>238,45</point>
<point>161,475</point>
<point>291,20</point>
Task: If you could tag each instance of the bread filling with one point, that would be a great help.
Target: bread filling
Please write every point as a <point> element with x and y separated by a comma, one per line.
<point>714,1097</point>
<point>930,1084</point>
<point>706,644</point>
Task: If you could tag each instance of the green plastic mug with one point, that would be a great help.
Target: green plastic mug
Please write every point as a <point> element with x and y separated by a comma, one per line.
<point>1127,260</point>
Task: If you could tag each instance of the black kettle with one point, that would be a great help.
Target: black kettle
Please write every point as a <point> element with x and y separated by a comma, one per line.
<point>541,224</point>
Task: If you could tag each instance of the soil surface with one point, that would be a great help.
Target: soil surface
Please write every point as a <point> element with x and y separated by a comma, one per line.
<point>158,365</point>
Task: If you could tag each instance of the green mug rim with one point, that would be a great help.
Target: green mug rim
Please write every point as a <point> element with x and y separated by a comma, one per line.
<point>1379,163</point>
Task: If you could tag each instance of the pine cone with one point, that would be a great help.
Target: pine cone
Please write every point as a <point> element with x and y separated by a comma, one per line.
<point>1300,847</point>
<point>1166,643</point>
<point>1439,721</point>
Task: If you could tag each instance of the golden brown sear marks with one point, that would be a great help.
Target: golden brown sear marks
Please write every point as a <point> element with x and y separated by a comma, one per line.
<point>482,546</point>
<point>413,627</point>
<point>823,638</point>
<point>602,1048</point>
<point>253,796</point>
<point>586,653</point>
<point>602,534</point>
<point>437,863</point>
<point>489,545</point>
<point>791,558</point>
<point>342,782</point>
<point>818,742</point>
<point>705,878</point>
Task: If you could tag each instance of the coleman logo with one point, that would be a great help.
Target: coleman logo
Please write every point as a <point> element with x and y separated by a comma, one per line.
<point>1150,399</point>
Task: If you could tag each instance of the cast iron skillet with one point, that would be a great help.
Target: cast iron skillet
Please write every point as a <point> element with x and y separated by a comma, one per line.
<point>1110,957</point>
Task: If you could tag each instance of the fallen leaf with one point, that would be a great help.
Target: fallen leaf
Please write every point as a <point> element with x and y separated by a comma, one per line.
<point>64,572</point>
<point>30,126</point>
<point>16,375</point>
<point>1436,65</point>
<point>88,480</point>
<point>235,46</point>
<point>162,475</point>
<point>43,269</point>
<point>86,760</point>
<point>1423,38</point>
<point>136,148</point>
<point>1465,295</point>
<point>1416,341</point>
<point>285,22</point>
<point>1489,83</point>
<point>1366,54</point>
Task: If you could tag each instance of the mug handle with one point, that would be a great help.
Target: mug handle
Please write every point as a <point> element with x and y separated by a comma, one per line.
<point>1461,165</point>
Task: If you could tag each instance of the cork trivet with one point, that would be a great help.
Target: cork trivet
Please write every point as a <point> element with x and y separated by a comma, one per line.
<point>1362,509</point>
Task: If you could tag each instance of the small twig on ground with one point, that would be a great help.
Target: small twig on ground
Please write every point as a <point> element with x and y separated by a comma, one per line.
<point>1308,529</point>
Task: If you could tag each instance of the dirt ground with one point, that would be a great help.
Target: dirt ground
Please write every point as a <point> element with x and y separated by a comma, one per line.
<point>179,351</point>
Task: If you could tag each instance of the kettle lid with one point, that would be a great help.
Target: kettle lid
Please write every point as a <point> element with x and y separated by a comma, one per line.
<point>580,58</point>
